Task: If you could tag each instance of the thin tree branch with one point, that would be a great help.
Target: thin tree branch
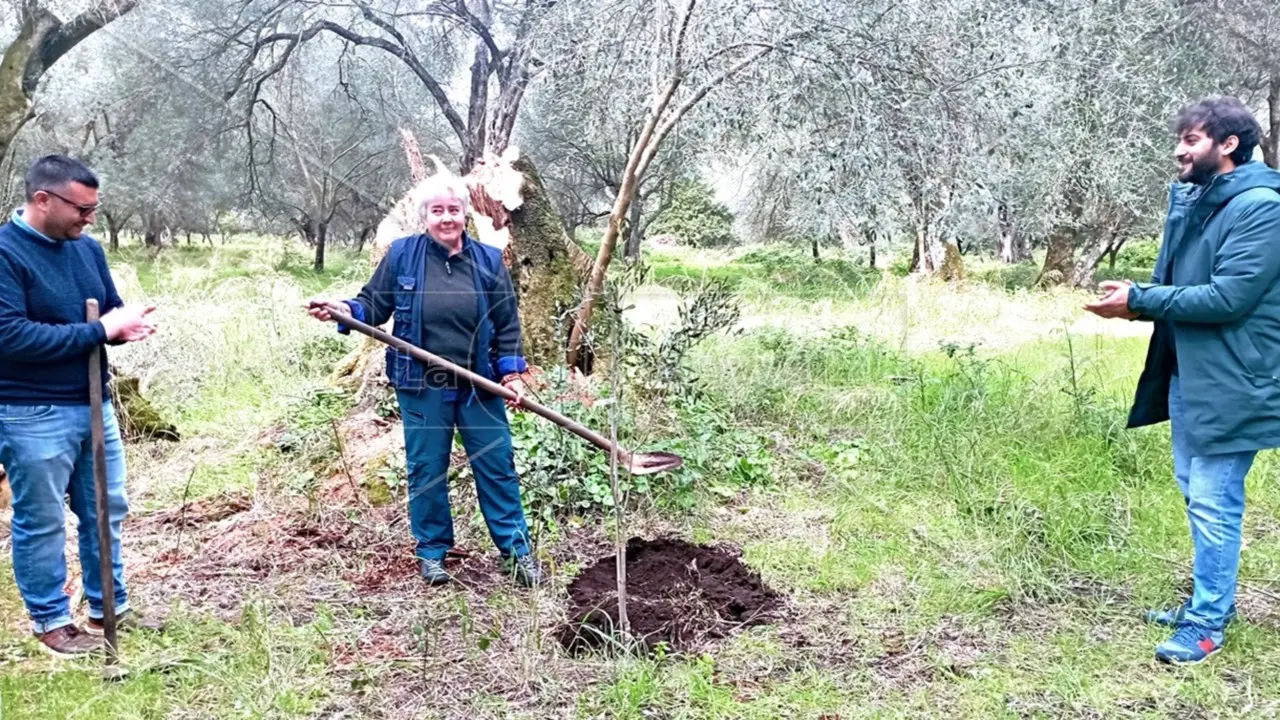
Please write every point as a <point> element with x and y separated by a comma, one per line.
<point>64,36</point>
<point>401,51</point>
<point>678,55</point>
<point>480,28</point>
<point>683,109</point>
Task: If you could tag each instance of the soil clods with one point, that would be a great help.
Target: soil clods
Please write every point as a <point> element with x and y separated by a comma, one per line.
<point>678,593</point>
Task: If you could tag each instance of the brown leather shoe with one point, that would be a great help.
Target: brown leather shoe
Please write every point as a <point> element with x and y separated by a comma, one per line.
<point>128,620</point>
<point>69,641</point>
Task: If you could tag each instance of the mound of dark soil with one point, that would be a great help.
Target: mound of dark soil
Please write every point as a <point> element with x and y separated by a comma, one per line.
<point>677,593</point>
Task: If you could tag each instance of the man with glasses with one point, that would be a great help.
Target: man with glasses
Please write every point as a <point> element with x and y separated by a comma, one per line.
<point>47,271</point>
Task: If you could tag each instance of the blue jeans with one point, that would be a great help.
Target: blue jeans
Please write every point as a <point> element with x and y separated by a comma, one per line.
<point>430,418</point>
<point>1213,488</point>
<point>48,453</point>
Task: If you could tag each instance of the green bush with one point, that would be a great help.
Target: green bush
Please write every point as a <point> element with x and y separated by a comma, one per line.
<point>1021,276</point>
<point>695,218</point>
<point>1135,261</point>
<point>901,267</point>
<point>563,476</point>
<point>1138,254</point>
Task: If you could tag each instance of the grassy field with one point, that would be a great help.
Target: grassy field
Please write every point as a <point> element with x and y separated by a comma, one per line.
<point>935,476</point>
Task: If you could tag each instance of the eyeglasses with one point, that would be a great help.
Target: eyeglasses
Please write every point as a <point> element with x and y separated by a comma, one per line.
<point>84,210</point>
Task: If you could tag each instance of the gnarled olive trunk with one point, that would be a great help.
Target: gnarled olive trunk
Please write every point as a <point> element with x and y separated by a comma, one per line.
<point>542,262</point>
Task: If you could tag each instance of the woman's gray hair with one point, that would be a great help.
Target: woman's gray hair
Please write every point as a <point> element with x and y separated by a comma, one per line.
<point>442,184</point>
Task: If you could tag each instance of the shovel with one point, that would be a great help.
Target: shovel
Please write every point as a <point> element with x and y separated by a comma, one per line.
<point>637,463</point>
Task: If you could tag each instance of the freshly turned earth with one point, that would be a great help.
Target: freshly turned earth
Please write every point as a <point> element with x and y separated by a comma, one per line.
<point>678,593</point>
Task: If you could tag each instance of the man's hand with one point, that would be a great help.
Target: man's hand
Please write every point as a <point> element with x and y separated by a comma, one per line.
<point>515,384</point>
<point>129,323</point>
<point>319,308</point>
<point>1114,302</point>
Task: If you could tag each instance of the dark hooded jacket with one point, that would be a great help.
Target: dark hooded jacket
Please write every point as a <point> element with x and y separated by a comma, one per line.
<point>1215,291</point>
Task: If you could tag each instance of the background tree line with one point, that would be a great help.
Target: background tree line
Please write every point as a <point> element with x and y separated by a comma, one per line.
<point>932,130</point>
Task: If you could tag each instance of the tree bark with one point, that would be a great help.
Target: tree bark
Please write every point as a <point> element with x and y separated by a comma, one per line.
<point>1271,143</point>
<point>1013,246</point>
<point>951,268</point>
<point>930,253</point>
<point>1058,265</point>
<point>306,230</point>
<point>41,41</point>
<point>15,103</point>
<point>1021,248</point>
<point>322,229</point>
<point>661,119</point>
<point>635,229</point>
<point>622,202</point>
<point>544,267</point>
<point>151,238</point>
<point>1114,252</point>
<point>1087,265</point>
<point>816,257</point>
<point>114,225</point>
<point>923,257</point>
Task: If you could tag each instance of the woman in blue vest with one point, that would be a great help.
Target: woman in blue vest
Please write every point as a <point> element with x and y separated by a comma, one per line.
<point>451,296</point>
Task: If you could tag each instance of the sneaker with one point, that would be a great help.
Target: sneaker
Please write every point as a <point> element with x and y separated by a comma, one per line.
<point>525,568</point>
<point>1191,645</point>
<point>127,621</point>
<point>434,573</point>
<point>69,641</point>
<point>1174,617</point>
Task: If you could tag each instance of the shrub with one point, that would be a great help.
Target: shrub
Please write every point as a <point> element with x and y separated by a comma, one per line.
<point>695,217</point>
<point>1138,254</point>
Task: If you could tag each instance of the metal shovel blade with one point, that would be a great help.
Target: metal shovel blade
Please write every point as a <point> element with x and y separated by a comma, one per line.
<point>650,463</point>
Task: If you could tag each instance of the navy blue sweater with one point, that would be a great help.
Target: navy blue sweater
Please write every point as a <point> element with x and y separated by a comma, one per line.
<point>44,340</point>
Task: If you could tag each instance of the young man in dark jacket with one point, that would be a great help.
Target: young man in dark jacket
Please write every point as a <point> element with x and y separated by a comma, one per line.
<point>1213,366</point>
<point>48,268</point>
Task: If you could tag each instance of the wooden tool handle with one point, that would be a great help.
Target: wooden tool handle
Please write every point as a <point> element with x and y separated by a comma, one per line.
<point>479,381</point>
<point>105,567</point>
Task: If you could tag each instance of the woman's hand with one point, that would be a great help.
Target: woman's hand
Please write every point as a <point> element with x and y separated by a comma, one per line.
<point>318,308</point>
<point>515,384</point>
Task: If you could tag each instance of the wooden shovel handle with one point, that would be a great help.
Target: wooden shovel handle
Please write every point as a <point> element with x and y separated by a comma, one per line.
<point>479,381</point>
<point>98,436</point>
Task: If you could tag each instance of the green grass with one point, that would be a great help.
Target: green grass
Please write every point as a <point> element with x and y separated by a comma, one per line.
<point>961,485</point>
<point>763,274</point>
<point>259,667</point>
<point>959,521</point>
<point>195,268</point>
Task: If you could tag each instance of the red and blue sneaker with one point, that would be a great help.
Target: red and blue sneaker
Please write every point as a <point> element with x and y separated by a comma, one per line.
<point>1190,645</point>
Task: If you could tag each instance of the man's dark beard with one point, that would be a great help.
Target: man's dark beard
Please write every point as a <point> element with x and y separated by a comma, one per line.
<point>1203,169</point>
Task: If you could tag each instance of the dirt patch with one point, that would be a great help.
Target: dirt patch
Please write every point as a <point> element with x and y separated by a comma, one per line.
<point>200,512</point>
<point>678,593</point>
